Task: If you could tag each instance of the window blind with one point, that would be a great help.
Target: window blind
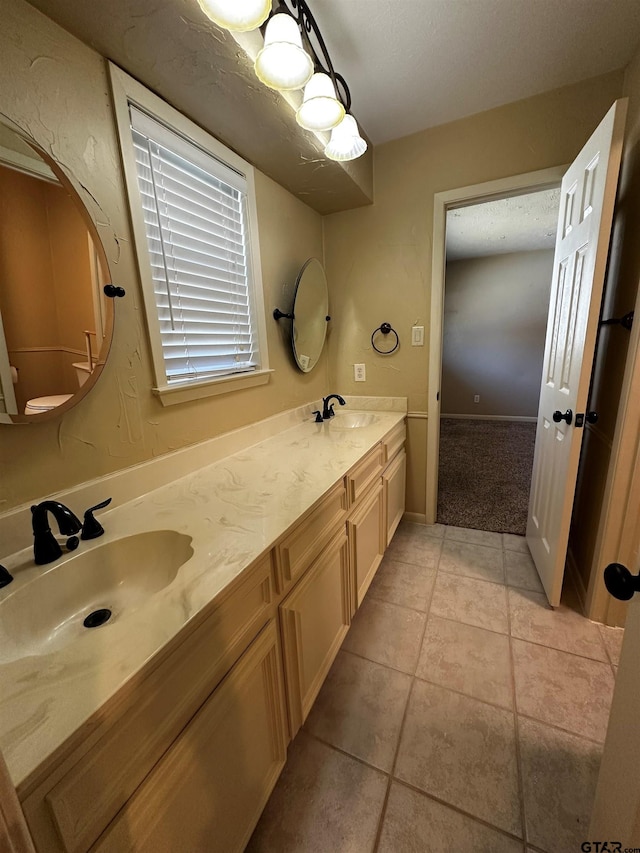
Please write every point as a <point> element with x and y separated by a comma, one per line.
<point>195,217</point>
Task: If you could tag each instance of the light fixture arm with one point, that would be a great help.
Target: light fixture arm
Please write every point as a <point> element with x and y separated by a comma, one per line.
<point>301,13</point>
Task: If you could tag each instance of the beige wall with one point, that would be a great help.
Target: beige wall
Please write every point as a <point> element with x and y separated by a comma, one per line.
<point>26,272</point>
<point>71,264</point>
<point>56,88</point>
<point>495,320</point>
<point>378,258</point>
<point>46,284</point>
<point>27,292</point>
<point>589,516</point>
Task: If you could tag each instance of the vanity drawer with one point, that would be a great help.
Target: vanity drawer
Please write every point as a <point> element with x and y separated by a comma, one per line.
<point>87,789</point>
<point>394,441</point>
<point>299,548</point>
<point>362,475</point>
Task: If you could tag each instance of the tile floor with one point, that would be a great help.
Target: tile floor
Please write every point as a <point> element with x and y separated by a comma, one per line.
<point>461,714</point>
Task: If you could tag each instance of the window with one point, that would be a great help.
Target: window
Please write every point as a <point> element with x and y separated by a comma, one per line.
<point>193,211</point>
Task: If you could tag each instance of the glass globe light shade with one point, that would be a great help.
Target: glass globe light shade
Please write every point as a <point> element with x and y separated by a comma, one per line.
<point>346,142</point>
<point>237,15</point>
<point>320,109</point>
<point>283,63</point>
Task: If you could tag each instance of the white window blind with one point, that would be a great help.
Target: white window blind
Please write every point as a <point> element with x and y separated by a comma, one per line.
<point>195,216</point>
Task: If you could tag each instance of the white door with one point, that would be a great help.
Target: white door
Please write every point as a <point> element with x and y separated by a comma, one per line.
<point>582,242</point>
<point>8,405</point>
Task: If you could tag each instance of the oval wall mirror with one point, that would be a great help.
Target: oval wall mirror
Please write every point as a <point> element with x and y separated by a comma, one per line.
<point>55,321</point>
<point>310,315</point>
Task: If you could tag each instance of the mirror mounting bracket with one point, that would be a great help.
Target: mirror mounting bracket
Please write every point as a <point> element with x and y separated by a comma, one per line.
<point>278,315</point>
<point>111,290</point>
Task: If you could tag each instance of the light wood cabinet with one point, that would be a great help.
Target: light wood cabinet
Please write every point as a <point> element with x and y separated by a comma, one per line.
<point>314,619</point>
<point>76,796</point>
<point>185,755</point>
<point>394,481</point>
<point>208,791</point>
<point>367,542</point>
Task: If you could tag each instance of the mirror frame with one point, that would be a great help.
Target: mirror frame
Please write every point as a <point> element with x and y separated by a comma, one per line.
<point>105,349</point>
<point>293,321</point>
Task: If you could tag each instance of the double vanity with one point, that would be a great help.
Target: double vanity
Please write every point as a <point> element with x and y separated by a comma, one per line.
<point>231,572</point>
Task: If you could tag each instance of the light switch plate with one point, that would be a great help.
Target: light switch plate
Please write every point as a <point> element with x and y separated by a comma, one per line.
<point>417,336</point>
<point>359,372</point>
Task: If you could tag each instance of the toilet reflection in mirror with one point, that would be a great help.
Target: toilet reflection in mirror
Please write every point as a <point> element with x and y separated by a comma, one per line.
<point>55,320</point>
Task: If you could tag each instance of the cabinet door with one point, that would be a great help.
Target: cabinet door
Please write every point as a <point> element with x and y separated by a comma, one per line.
<point>367,540</point>
<point>394,481</point>
<point>209,790</point>
<point>314,619</point>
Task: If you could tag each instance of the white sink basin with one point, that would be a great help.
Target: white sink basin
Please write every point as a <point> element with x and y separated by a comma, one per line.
<point>352,420</point>
<point>47,611</point>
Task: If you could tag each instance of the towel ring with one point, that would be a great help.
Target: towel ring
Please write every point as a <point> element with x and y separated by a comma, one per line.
<point>385,329</point>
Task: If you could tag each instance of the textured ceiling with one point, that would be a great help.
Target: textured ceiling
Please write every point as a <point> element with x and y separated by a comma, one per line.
<point>518,224</point>
<point>413,64</point>
<point>410,64</point>
<point>173,49</point>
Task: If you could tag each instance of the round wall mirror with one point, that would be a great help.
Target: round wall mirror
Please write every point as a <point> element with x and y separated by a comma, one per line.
<point>55,321</point>
<point>310,315</point>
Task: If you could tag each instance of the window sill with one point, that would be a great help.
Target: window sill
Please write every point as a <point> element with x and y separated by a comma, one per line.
<point>170,395</point>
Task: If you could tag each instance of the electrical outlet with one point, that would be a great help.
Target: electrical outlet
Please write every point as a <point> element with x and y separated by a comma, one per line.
<point>359,372</point>
<point>476,398</point>
<point>417,336</point>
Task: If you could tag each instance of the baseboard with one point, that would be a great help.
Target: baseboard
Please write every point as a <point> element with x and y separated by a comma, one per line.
<point>520,418</point>
<point>415,517</point>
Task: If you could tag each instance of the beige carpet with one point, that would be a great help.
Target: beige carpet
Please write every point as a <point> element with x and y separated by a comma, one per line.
<point>485,474</point>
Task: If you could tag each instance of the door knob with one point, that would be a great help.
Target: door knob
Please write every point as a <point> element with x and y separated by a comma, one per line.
<point>592,417</point>
<point>620,582</point>
<point>558,416</point>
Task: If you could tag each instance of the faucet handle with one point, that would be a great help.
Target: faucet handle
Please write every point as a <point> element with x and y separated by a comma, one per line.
<point>5,577</point>
<point>331,412</point>
<point>318,415</point>
<point>92,528</point>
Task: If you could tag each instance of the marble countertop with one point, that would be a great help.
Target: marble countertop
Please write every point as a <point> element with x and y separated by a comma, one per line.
<point>234,510</point>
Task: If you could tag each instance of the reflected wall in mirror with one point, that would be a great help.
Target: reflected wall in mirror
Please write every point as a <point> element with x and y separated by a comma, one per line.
<point>55,321</point>
<point>310,315</point>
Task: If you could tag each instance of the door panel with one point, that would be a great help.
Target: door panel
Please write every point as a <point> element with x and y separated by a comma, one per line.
<point>8,404</point>
<point>582,242</point>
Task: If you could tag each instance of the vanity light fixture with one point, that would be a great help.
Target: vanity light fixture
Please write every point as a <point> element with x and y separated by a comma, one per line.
<point>237,15</point>
<point>346,142</point>
<point>320,108</point>
<point>283,63</point>
<point>295,56</point>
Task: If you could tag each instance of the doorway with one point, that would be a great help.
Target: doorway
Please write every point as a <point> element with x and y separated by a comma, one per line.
<point>499,267</point>
<point>516,185</point>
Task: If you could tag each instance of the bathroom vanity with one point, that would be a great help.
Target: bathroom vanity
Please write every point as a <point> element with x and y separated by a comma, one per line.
<point>167,729</point>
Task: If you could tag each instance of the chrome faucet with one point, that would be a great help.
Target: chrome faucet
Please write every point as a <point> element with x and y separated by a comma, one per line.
<point>327,410</point>
<point>45,547</point>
